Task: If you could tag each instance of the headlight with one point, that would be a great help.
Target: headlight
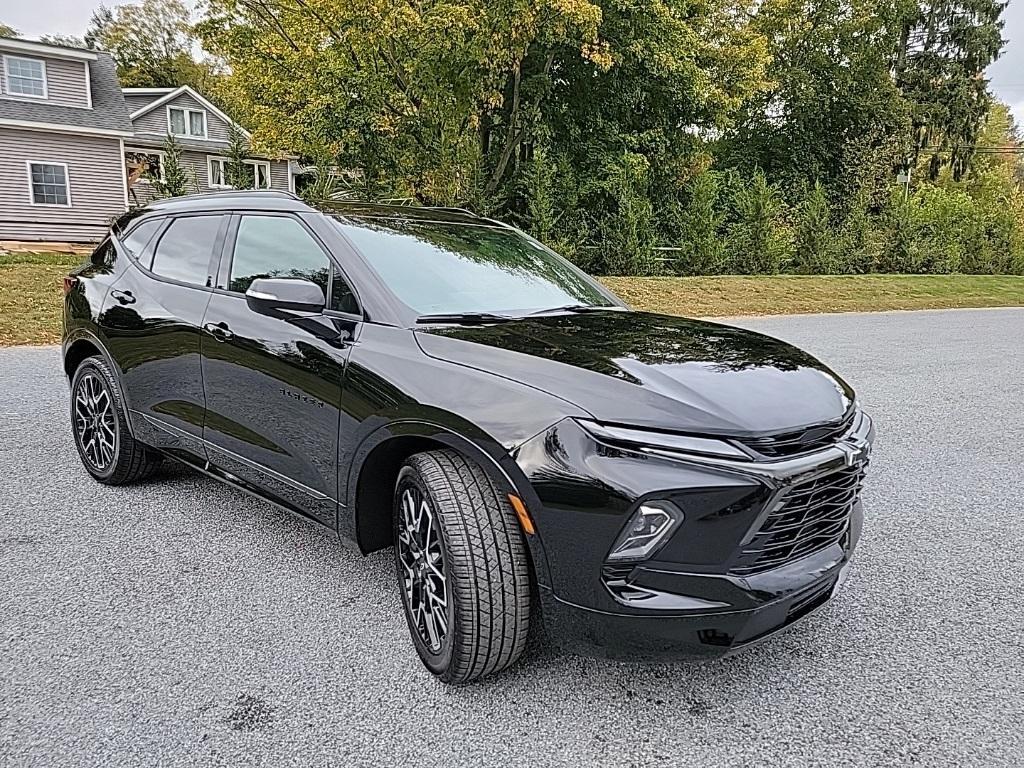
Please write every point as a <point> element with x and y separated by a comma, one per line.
<point>644,441</point>
<point>647,529</point>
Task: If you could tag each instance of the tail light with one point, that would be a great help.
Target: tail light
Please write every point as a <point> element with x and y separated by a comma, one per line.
<point>68,284</point>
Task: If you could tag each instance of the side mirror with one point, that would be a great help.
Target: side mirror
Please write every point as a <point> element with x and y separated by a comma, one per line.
<point>269,295</point>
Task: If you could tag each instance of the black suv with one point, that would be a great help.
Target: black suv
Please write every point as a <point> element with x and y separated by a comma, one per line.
<point>650,486</point>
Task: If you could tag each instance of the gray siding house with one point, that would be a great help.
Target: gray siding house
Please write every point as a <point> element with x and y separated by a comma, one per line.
<point>200,129</point>
<point>76,151</point>
<point>62,123</point>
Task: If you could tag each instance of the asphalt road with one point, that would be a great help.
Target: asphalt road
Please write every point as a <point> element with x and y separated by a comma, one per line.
<point>182,623</point>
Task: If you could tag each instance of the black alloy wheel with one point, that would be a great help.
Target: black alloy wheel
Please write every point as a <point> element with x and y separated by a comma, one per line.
<point>463,568</point>
<point>421,560</point>
<point>104,441</point>
<point>94,423</point>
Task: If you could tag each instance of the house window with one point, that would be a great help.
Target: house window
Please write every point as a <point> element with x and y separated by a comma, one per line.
<point>260,175</point>
<point>219,173</point>
<point>49,184</point>
<point>25,77</point>
<point>186,122</point>
<point>142,165</point>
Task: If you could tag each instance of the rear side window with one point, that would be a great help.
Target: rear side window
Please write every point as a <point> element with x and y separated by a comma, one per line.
<point>185,249</point>
<point>104,255</point>
<point>135,241</point>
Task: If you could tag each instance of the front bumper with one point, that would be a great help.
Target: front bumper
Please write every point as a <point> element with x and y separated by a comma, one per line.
<point>698,598</point>
<point>653,635</point>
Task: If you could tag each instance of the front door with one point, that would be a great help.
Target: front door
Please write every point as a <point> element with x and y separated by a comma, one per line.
<point>273,384</point>
<point>152,318</point>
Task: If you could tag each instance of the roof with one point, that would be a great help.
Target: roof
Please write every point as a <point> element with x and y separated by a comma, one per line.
<point>204,146</point>
<point>108,113</point>
<point>170,95</point>
<point>52,50</point>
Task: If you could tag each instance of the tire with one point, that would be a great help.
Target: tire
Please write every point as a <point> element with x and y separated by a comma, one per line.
<point>479,550</point>
<point>100,428</point>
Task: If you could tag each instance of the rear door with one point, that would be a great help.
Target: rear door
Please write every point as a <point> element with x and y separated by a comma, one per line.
<point>273,384</point>
<point>152,318</point>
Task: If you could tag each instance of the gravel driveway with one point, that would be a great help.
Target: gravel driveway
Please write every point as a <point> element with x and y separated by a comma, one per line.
<point>183,623</point>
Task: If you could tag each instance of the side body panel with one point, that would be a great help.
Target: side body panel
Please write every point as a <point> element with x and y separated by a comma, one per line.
<point>273,390</point>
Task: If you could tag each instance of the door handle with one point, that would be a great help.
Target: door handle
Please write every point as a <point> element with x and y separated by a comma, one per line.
<point>219,331</point>
<point>123,297</point>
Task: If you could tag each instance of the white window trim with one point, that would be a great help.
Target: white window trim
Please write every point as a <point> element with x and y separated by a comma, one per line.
<point>31,194</point>
<point>124,174</point>
<point>222,161</point>
<point>211,159</point>
<point>128,150</point>
<point>187,111</point>
<point>7,81</point>
<point>88,86</point>
<point>265,164</point>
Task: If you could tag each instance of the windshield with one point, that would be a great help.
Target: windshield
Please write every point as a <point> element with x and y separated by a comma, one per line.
<point>444,268</point>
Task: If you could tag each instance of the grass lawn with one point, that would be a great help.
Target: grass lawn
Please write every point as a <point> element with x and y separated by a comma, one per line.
<point>797,294</point>
<point>30,294</point>
<point>31,298</point>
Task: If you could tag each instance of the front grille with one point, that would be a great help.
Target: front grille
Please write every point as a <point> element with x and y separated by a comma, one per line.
<point>811,516</point>
<point>800,441</point>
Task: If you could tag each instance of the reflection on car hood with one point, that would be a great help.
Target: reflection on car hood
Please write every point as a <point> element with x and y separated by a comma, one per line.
<point>654,371</point>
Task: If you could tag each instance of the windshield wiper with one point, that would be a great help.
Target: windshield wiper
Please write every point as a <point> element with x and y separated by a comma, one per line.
<point>575,308</point>
<point>464,317</point>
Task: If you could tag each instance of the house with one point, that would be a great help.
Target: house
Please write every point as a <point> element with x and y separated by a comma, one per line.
<point>77,151</point>
<point>63,122</point>
<point>201,130</point>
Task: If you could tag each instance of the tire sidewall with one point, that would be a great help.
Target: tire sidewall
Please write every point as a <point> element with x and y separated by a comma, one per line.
<point>90,366</point>
<point>438,663</point>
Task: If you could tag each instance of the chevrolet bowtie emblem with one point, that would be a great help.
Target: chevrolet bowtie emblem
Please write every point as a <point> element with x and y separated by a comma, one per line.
<point>854,451</point>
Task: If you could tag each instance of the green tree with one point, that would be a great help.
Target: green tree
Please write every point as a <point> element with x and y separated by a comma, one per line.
<point>941,56</point>
<point>830,88</point>
<point>239,173</point>
<point>814,249</point>
<point>760,240</point>
<point>152,44</point>
<point>701,219</point>
<point>69,41</point>
<point>177,179</point>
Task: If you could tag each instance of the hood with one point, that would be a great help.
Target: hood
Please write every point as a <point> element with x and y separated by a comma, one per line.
<point>654,371</point>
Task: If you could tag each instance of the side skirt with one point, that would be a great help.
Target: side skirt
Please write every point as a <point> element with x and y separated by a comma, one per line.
<point>210,470</point>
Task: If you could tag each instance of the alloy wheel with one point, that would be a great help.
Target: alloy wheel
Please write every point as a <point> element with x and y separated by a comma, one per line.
<point>421,556</point>
<point>95,425</point>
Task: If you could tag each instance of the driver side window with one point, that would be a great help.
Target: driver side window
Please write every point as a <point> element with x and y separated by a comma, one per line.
<point>278,246</point>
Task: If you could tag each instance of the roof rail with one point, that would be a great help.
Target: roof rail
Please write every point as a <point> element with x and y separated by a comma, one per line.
<point>451,208</point>
<point>221,193</point>
<point>399,206</point>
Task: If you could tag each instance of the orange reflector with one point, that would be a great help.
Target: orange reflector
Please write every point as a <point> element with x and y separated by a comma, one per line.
<point>522,514</point>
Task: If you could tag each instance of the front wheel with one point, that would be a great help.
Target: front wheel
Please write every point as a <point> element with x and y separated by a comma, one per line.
<point>462,567</point>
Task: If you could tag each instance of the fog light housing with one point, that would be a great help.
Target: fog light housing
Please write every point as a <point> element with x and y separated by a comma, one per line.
<point>648,528</point>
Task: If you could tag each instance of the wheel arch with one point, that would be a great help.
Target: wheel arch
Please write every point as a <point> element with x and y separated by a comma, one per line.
<point>83,345</point>
<point>366,515</point>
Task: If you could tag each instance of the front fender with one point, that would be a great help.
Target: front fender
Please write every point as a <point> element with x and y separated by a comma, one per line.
<point>459,435</point>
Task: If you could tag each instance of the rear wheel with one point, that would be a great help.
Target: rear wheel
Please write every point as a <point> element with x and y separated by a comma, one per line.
<point>462,567</point>
<point>105,445</point>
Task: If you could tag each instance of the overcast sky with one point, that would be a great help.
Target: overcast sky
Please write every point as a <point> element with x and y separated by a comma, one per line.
<point>69,17</point>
